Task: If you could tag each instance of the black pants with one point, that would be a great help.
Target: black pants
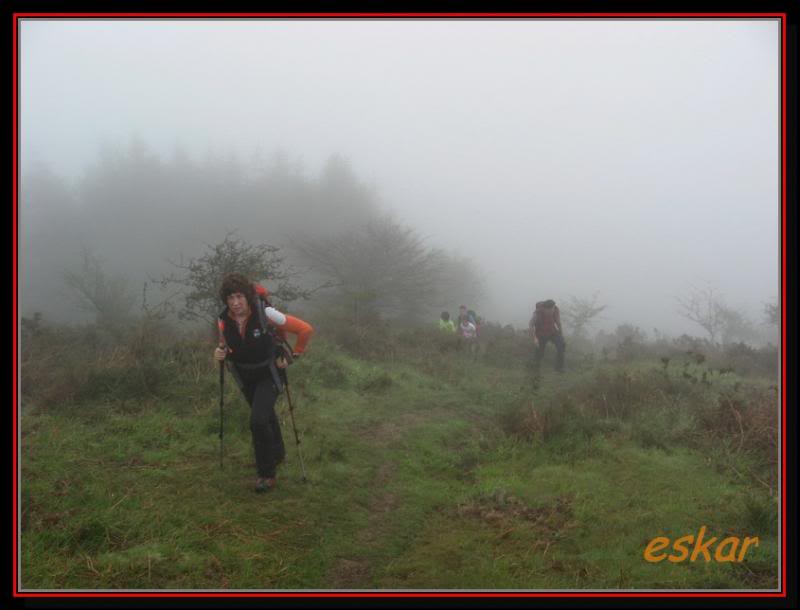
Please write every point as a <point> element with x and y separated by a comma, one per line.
<point>560,346</point>
<point>264,425</point>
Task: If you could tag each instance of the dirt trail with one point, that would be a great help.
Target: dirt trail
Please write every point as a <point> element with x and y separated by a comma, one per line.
<point>356,571</point>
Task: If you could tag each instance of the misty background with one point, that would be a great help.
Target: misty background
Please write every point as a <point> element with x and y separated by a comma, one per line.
<point>629,159</point>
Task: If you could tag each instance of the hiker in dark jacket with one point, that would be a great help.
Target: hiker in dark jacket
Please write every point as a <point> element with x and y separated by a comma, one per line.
<point>545,326</point>
<point>255,354</point>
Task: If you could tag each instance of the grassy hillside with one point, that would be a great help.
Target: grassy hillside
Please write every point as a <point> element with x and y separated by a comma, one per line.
<point>426,471</point>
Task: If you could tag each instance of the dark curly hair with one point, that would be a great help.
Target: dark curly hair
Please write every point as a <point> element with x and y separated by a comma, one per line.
<point>236,282</point>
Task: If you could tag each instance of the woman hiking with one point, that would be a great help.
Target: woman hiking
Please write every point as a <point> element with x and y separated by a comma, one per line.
<point>253,340</point>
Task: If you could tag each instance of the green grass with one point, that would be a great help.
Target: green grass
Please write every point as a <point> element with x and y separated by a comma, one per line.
<point>420,476</point>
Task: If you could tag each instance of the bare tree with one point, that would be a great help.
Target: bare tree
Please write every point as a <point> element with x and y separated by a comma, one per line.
<point>105,296</point>
<point>580,313</point>
<point>705,307</point>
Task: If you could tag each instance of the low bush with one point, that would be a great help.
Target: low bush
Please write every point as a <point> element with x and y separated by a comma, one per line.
<point>658,408</point>
<point>64,364</point>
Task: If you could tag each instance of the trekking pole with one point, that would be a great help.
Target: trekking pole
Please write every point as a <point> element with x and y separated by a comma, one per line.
<point>294,427</point>
<point>221,328</point>
<point>221,401</point>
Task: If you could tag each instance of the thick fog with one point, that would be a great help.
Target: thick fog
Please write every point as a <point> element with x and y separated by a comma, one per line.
<point>627,158</point>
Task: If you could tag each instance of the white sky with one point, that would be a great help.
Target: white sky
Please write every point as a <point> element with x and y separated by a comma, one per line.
<point>565,156</point>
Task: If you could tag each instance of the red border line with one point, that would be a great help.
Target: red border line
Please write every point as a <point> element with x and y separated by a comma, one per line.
<point>402,15</point>
<point>155,16</point>
<point>783,301</point>
<point>15,192</point>
<point>401,594</point>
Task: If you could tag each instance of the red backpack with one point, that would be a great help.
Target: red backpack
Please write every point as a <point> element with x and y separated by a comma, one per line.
<point>544,319</point>
<point>262,293</point>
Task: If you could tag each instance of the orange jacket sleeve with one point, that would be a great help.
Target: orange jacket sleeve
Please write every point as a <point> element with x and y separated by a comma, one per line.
<point>301,329</point>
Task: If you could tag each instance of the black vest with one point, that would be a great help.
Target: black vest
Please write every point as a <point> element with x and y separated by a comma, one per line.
<point>252,355</point>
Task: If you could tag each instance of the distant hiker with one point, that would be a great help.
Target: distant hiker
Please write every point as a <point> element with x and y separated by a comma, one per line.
<point>545,325</point>
<point>446,324</point>
<point>467,329</point>
<point>253,339</point>
<point>473,317</point>
<point>469,314</point>
<point>468,336</point>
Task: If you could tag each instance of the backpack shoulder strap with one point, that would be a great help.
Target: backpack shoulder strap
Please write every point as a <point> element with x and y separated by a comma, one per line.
<point>262,315</point>
<point>266,327</point>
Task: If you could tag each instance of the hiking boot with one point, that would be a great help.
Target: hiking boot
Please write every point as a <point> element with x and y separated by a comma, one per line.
<point>264,484</point>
